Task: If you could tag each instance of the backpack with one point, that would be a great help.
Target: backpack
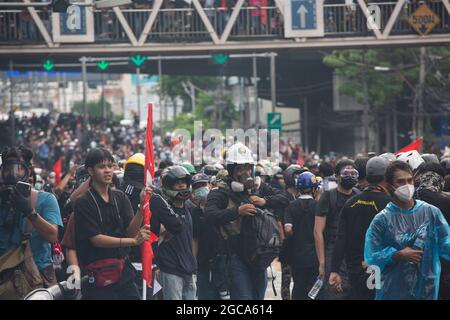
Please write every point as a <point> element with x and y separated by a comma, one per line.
<point>260,236</point>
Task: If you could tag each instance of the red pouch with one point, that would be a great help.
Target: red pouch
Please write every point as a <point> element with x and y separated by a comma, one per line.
<point>105,272</point>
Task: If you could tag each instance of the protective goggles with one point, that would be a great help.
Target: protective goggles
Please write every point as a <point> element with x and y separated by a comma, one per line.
<point>349,173</point>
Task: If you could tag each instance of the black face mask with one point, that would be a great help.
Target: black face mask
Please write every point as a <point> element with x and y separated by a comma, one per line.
<point>348,182</point>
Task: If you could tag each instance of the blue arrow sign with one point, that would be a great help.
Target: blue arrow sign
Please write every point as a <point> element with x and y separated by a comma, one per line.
<point>304,14</point>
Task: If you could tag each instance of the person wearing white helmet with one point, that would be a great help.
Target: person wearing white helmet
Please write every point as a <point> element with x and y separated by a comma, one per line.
<point>232,205</point>
<point>412,158</point>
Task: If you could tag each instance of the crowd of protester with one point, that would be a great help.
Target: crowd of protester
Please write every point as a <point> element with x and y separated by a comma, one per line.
<point>74,199</point>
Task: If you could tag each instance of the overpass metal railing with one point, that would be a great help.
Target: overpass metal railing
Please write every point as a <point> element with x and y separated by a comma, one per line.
<point>185,25</point>
<point>347,20</point>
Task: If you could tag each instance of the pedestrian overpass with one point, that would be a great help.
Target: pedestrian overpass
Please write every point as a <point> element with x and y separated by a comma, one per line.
<point>35,31</point>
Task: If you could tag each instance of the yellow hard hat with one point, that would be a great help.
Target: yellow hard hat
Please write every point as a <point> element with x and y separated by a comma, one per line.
<point>137,158</point>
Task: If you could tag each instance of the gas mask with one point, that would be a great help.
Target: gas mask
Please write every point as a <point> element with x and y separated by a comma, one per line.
<point>245,183</point>
<point>11,172</point>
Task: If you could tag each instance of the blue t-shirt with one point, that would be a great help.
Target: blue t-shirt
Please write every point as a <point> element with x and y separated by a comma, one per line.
<point>11,231</point>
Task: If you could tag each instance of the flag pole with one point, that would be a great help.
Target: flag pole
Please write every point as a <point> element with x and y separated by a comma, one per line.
<point>146,246</point>
<point>144,289</point>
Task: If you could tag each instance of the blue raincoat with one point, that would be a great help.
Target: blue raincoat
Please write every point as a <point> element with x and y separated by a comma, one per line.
<point>393,229</point>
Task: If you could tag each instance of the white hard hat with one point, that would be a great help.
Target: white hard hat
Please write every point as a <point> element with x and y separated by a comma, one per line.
<point>239,154</point>
<point>412,158</point>
<point>388,156</point>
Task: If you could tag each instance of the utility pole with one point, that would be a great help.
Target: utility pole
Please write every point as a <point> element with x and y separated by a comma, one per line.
<point>420,92</point>
<point>255,82</point>
<point>163,109</point>
<point>84,75</point>
<point>138,91</point>
<point>31,96</point>
<point>273,91</point>
<point>389,130</point>
<point>46,90</point>
<point>12,116</point>
<point>365,119</point>
<point>64,92</point>
<point>305,121</point>
<point>395,128</point>
<point>103,96</point>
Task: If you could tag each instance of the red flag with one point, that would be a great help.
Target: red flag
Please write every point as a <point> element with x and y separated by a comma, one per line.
<point>57,168</point>
<point>415,145</point>
<point>146,246</point>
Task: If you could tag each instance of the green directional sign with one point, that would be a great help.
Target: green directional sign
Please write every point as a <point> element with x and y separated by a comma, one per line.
<point>138,60</point>
<point>274,121</point>
<point>48,65</point>
<point>103,65</point>
<point>220,58</point>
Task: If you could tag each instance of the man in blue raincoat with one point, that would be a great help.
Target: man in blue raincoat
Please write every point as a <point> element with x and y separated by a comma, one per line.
<point>405,241</point>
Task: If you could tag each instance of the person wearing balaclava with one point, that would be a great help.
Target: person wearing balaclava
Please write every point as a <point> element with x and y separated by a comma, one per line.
<point>327,220</point>
<point>226,207</point>
<point>405,241</point>
<point>430,190</point>
<point>133,178</point>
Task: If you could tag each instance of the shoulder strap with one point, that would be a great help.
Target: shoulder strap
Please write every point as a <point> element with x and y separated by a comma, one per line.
<point>96,204</point>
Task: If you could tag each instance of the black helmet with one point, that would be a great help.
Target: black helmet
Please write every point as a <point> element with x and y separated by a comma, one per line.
<point>290,173</point>
<point>210,170</point>
<point>170,176</point>
<point>445,163</point>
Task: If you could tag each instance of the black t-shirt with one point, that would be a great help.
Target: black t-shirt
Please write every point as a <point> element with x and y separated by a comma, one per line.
<point>210,242</point>
<point>281,212</point>
<point>110,221</point>
<point>174,254</point>
<point>301,215</point>
<point>331,211</point>
<point>354,221</point>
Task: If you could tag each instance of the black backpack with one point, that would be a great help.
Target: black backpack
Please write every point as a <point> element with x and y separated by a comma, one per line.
<point>260,238</point>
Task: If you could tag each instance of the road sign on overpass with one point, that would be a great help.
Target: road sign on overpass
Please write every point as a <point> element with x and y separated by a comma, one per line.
<point>304,18</point>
